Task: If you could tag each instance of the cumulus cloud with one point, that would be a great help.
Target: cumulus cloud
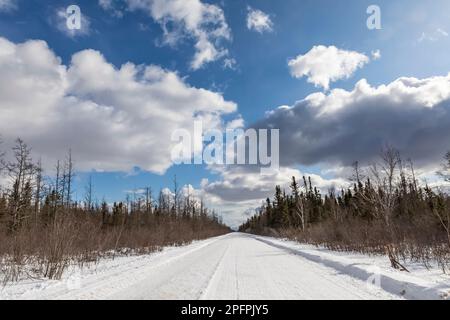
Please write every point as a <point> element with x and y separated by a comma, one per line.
<point>322,65</point>
<point>259,21</point>
<point>179,19</point>
<point>112,118</point>
<point>8,5</point>
<point>343,126</point>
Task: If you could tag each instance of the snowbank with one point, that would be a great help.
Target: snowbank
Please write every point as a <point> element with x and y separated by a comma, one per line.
<point>419,284</point>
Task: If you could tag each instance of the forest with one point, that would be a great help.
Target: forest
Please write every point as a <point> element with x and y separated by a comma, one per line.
<point>43,230</point>
<point>384,211</point>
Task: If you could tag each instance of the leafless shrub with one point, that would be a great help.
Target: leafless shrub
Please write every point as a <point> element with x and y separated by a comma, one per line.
<point>43,232</point>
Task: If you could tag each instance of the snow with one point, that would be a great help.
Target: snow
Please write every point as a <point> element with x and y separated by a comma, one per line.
<point>420,283</point>
<point>238,266</point>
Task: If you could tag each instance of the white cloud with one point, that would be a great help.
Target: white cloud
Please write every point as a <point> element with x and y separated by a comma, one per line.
<point>105,4</point>
<point>376,54</point>
<point>8,5</point>
<point>259,21</point>
<point>230,63</point>
<point>433,36</point>
<point>112,118</point>
<point>111,6</point>
<point>442,32</point>
<point>322,65</point>
<point>179,19</point>
<point>60,20</point>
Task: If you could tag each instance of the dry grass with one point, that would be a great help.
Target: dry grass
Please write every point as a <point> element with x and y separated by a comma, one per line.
<point>415,241</point>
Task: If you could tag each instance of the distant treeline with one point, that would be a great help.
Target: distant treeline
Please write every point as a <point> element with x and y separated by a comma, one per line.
<point>43,231</point>
<point>385,211</point>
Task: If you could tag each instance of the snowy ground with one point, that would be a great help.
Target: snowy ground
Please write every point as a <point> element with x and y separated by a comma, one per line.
<point>239,266</point>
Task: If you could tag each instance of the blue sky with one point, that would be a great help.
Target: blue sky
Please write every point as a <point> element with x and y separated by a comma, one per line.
<point>413,42</point>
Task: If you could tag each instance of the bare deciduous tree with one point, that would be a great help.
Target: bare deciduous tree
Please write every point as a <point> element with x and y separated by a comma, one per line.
<point>69,170</point>
<point>21,171</point>
<point>2,155</point>
<point>38,194</point>
<point>445,170</point>
<point>89,194</point>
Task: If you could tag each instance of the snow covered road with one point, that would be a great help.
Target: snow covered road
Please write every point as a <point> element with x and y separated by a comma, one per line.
<point>234,266</point>
<point>252,269</point>
<point>239,266</point>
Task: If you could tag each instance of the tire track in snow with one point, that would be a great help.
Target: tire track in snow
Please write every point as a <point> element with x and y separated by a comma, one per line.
<point>214,275</point>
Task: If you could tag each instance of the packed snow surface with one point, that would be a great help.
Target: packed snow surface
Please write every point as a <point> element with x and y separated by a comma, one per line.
<point>238,266</point>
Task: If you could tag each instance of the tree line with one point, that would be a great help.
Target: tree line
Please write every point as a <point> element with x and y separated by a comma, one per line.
<point>42,226</point>
<point>384,211</point>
